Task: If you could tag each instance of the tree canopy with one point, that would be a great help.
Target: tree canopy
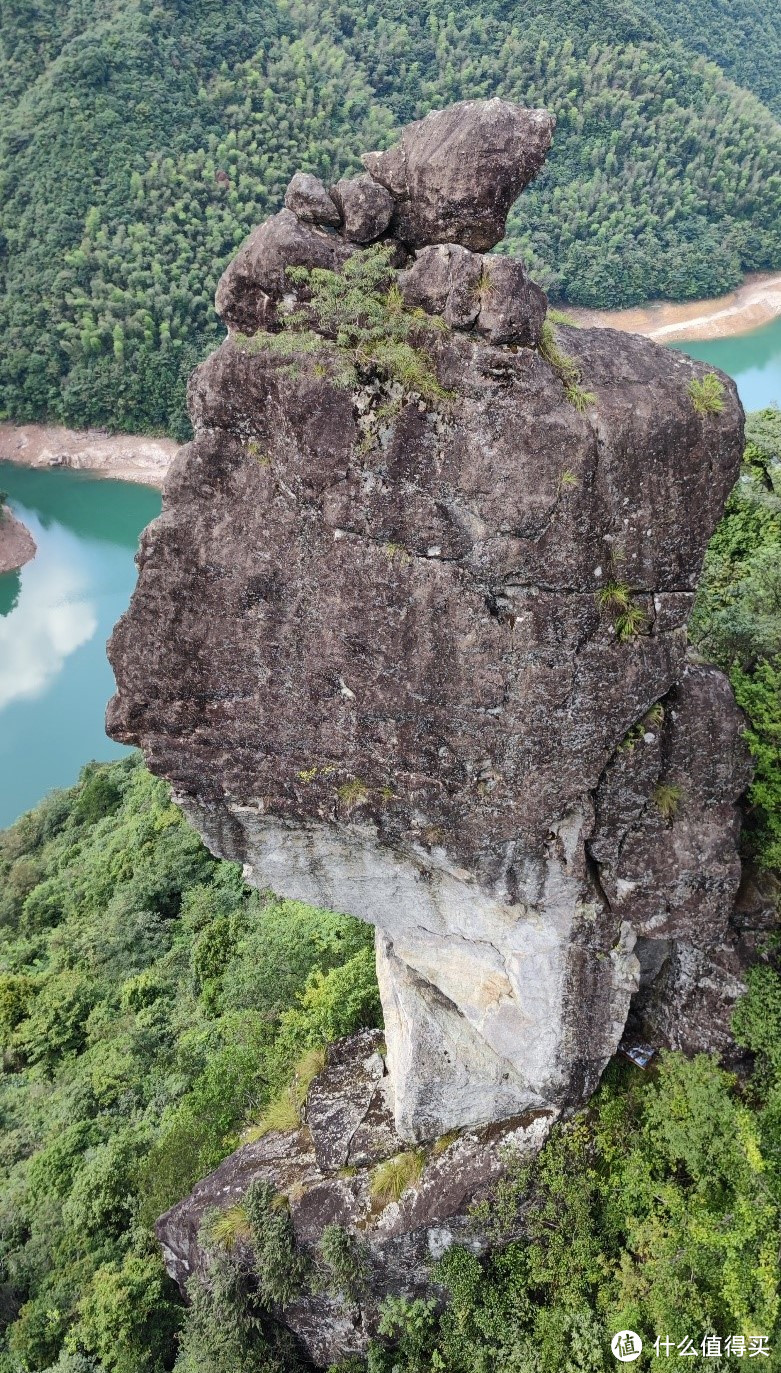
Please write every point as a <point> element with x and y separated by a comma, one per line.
<point>140,142</point>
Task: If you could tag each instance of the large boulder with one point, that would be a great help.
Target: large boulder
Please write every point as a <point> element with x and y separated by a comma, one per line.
<point>256,280</point>
<point>308,199</point>
<point>419,653</point>
<point>366,208</point>
<point>456,173</point>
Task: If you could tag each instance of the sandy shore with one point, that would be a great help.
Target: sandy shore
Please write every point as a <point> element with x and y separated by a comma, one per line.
<point>125,457</point>
<point>17,545</point>
<point>756,302</point>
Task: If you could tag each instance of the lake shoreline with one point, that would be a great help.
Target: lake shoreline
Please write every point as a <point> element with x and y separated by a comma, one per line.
<point>755,303</point>
<point>122,457</point>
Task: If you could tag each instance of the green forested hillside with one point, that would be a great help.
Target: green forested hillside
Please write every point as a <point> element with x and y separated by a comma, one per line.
<point>151,1005</point>
<point>141,140</point>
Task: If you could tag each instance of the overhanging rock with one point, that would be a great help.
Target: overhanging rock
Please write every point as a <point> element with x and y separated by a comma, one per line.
<point>424,660</point>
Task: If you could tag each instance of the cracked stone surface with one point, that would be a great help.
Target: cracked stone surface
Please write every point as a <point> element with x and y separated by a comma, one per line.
<point>325,1171</point>
<point>372,650</point>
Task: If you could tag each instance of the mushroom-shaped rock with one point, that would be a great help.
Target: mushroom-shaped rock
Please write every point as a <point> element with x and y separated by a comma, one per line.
<point>310,202</point>
<point>256,279</point>
<point>456,173</point>
<point>423,659</point>
<point>366,208</point>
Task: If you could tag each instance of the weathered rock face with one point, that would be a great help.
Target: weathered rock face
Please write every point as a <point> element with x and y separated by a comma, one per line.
<point>456,173</point>
<point>17,545</point>
<point>327,1170</point>
<point>425,662</point>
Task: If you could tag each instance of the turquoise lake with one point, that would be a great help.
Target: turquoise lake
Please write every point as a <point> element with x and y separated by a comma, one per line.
<point>56,615</point>
<point>55,618</point>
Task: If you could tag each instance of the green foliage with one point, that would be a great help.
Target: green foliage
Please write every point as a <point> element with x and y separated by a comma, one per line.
<point>128,1312</point>
<point>149,1002</point>
<point>737,619</point>
<point>141,142</point>
<point>280,1268</point>
<point>225,1331</point>
<point>656,1210</point>
<point>345,1260</point>
<point>284,1112</point>
<point>362,326</point>
<point>707,394</point>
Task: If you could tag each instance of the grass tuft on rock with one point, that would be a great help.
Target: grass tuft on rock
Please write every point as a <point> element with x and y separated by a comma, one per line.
<point>392,1178</point>
<point>229,1228</point>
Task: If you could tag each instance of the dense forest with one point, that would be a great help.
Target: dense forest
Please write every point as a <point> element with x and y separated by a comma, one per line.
<point>140,141</point>
<point>152,1006</point>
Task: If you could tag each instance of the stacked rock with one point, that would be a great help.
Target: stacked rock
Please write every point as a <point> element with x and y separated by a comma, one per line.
<point>450,181</point>
<point>425,660</point>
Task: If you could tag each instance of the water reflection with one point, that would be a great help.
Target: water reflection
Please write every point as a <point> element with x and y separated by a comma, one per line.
<point>10,586</point>
<point>56,616</point>
<point>35,639</point>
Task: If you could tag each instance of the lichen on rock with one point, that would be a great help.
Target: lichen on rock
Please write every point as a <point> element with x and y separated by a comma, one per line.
<point>420,654</point>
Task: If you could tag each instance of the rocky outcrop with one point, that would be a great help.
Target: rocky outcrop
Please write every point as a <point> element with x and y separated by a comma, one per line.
<point>17,545</point>
<point>328,1172</point>
<point>423,657</point>
<point>455,174</point>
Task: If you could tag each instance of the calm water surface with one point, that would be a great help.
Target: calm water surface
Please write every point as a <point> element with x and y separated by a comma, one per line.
<point>56,615</point>
<point>754,360</point>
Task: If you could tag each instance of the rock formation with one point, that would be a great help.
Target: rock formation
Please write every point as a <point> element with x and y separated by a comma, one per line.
<point>418,653</point>
<point>17,545</point>
<point>327,1171</point>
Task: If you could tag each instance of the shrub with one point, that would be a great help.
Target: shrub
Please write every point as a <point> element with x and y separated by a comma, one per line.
<point>361,325</point>
<point>346,1262</point>
<point>707,394</point>
<point>281,1270</point>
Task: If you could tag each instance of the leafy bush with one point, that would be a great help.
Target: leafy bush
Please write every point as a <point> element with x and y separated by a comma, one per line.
<point>346,1262</point>
<point>149,1003</point>
<point>281,1270</point>
<point>361,326</point>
